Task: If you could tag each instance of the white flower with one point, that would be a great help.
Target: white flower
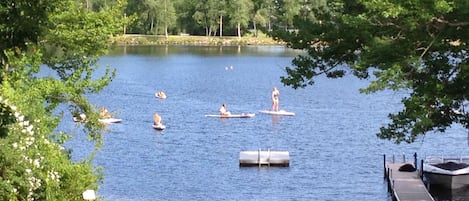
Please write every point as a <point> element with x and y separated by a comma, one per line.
<point>29,141</point>
<point>29,128</point>
<point>15,145</point>
<point>36,163</point>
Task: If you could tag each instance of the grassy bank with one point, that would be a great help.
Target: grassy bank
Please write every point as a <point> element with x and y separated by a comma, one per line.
<point>133,39</point>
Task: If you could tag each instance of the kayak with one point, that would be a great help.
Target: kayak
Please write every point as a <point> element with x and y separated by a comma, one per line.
<point>242,115</point>
<point>280,112</point>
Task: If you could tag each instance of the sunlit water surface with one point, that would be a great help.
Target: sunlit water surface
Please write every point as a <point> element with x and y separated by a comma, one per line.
<point>334,152</point>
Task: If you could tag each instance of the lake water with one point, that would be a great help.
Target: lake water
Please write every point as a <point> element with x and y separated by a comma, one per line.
<point>334,152</point>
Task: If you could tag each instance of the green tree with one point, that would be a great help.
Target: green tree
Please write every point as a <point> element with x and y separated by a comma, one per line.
<point>209,13</point>
<point>413,45</point>
<point>262,14</point>
<point>66,37</point>
<point>287,10</point>
<point>239,15</point>
<point>220,11</point>
<point>204,14</point>
<point>167,15</point>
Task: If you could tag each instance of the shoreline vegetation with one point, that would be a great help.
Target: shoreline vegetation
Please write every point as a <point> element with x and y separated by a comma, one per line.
<point>139,39</point>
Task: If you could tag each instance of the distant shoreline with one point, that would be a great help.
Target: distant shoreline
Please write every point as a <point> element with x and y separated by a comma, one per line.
<point>138,39</point>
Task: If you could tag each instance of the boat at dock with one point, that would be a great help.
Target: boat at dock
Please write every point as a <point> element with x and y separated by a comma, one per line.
<point>448,172</point>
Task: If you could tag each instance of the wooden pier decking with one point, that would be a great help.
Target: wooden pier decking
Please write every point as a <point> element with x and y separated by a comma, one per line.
<point>405,186</point>
<point>266,158</point>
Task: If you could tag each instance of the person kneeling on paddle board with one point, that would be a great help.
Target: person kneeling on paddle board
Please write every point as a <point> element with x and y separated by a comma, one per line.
<point>104,114</point>
<point>223,110</point>
<point>157,120</point>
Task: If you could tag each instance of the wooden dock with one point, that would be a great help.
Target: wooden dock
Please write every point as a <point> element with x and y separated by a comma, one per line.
<point>264,158</point>
<point>405,186</point>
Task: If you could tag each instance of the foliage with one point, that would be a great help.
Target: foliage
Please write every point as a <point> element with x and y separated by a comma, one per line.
<point>68,40</point>
<point>213,17</point>
<point>241,17</point>
<point>419,46</point>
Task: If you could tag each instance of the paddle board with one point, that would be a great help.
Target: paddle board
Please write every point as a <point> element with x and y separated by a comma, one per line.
<point>110,120</point>
<point>160,127</point>
<point>280,112</point>
<point>242,115</point>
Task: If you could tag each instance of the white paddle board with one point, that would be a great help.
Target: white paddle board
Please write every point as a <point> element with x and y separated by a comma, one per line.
<point>242,115</point>
<point>110,120</point>
<point>280,112</point>
<point>160,127</point>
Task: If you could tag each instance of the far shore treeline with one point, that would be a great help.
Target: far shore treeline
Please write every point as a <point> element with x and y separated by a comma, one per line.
<point>239,22</point>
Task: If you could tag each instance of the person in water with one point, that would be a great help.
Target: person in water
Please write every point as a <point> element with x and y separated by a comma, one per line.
<point>104,114</point>
<point>157,120</point>
<point>275,100</point>
<point>223,110</point>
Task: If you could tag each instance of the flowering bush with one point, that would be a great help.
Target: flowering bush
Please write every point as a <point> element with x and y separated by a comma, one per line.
<point>33,167</point>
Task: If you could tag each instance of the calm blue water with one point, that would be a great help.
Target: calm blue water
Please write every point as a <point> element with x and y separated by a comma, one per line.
<point>334,152</point>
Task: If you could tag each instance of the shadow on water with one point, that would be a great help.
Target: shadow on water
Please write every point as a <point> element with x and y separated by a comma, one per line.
<point>443,194</point>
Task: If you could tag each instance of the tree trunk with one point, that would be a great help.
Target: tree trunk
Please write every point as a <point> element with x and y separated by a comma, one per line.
<point>221,26</point>
<point>165,21</point>
<point>239,30</point>
<point>166,31</point>
<point>157,25</point>
<point>152,25</point>
<point>255,29</point>
<point>125,18</point>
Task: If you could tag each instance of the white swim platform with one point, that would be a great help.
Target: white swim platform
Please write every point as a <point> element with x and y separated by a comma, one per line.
<point>264,158</point>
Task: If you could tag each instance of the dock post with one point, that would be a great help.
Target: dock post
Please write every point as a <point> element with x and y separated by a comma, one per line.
<point>387,179</point>
<point>384,164</point>
<point>421,169</point>
<point>403,157</point>
<point>415,160</point>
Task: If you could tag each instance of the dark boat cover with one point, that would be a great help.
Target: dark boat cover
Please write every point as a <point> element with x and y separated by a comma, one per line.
<point>451,166</point>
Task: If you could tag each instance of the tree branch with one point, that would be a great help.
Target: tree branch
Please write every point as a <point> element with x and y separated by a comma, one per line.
<point>452,24</point>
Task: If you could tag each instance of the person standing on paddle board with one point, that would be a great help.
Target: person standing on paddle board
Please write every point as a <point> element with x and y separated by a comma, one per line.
<point>275,100</point>
<point>223,110</point>
<point>157,119</point>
